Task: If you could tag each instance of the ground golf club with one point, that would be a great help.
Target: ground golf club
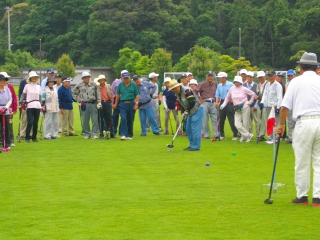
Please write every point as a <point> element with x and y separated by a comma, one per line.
<point>171,145</point>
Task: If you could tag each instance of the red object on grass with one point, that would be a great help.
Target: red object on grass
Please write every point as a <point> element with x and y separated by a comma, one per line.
<point>271,123</point>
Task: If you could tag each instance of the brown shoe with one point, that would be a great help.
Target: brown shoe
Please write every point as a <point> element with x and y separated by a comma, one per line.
<point>63,135</point>
<point>72,134</point>
<point>184,135</point>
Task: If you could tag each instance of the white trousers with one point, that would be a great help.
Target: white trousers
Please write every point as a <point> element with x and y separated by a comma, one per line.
<point>242,122</point>
<point>291,124</point>
<point>51,123</point>
<point>306,146</point>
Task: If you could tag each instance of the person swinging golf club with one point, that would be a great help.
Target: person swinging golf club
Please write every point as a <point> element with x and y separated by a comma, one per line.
<point>303,98</point>
<point>239,94</point>
<point>193,111</point>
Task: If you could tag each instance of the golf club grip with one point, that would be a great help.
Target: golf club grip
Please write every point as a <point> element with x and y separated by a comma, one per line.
<point>274,167</point>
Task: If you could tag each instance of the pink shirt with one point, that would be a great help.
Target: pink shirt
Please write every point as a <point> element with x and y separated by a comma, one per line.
<point>239,96</point>
<point>33,92</point>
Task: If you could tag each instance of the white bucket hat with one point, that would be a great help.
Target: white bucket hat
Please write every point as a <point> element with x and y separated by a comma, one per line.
<point>261,74</point>
<point>153,74</point>
<point>167,79</point>
<point>96,81</point>
<point>101,76</point>
<point>193,81</point>
<point>237,79</point>
<point>243,71</point>
<point>251,74</point>
<point>222,75</point>
<point>85,74</point>
<point>33,74</point>
<point>5,74</point>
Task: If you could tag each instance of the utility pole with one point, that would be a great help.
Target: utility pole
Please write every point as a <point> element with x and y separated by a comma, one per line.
<point>239,42</point>
<point>40,61</point>
<point>9,38</point>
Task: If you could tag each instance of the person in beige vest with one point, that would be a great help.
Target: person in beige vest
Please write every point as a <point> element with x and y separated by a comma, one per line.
<point>50,102</point>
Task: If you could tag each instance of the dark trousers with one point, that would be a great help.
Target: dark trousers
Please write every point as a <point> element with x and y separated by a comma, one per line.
<point>228,111</point>
<point>105,116</point>
<point>7,130</point>
<point>127,116</point>
<point>115,120</point>
<point>33,115</point>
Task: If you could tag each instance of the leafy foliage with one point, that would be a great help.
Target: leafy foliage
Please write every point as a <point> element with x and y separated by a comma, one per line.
<point>65,66</point>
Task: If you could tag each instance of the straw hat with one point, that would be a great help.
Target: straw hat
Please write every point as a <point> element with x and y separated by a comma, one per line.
<point>33,74</point>
<point>173,84</point>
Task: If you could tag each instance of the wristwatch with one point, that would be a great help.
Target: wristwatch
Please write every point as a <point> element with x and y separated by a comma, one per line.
<point>137,102</point>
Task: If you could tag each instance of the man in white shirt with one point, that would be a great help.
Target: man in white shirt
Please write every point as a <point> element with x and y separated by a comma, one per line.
<point>272,97</point>
<point>262,112</point>
<point>155,100</point>
<point>304,101</point>
<point>291,74</point>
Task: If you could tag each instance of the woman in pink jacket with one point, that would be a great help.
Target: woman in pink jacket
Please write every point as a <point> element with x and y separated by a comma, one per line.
<point>239,94</point>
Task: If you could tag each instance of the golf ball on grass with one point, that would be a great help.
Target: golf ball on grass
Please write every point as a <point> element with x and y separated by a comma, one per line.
<point>233,154</point>
<point>207,164</point>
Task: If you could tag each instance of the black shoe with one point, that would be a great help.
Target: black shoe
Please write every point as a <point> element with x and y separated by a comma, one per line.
<point>156,133</point>
<point>143,135</point>
<point>53,137</point>
<point>301,201</point>
<point>315,202</point>
<point>35,140</point>
<point>186,148</point>
<point>262,139</point>
<point>192,149</point>
<point>27,141</point>
<point>289,142</point>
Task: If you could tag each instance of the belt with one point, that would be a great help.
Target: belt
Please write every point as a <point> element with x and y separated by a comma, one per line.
<point>207,100</point>
<point>105,101</point>
<point>154,97</point>
<point>308,117</point>
<point>127,102</point>
<point>90,102</point>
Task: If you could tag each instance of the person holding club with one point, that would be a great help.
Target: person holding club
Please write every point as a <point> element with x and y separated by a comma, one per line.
<point>193,110</point>
<point>5,102</point>
<point>169,102</point>
<point>146,109</point>
<point>239,94</point>
<point>32,95</point>
<point>303,98</point>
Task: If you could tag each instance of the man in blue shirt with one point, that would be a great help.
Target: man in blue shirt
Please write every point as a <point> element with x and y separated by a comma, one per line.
<point>66,108</point>
<point>228,111</point>
<point>146,109</point>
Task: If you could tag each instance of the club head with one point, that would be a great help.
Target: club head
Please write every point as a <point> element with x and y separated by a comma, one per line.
<point>268,201</point>
<point>40,138</point>
<point>170,145</point>
<point>19,141</point>
<point>5,149</point>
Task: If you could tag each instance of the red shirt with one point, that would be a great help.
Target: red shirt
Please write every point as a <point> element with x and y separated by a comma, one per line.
<point>14,104</point>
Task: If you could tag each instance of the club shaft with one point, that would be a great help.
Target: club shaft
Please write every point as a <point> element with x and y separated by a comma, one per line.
<point>274,167</point>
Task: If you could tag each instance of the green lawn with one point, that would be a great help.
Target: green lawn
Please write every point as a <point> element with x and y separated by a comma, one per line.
<point>73,188</point>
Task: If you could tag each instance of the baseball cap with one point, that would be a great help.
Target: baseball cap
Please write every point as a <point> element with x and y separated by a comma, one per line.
<point>67,79</point>
<point>210,73</point>
<point>183,75</point>
<point>291,72</point>
<point>193,81</point>
<point>271,73</point>
<point>153,74</point>
<point>251,74</point>
<point>280,74</point>
<point>57,75</point>
<point>125,74</point>
<point>135,77</point>
<point>222,75</point>
<point>243,71</point>
<point>237,79</point>
<point>50,70</point>
<point>123,71</point>
<point>261,74</point>
<point>85,74</point>
<point>189,73</point>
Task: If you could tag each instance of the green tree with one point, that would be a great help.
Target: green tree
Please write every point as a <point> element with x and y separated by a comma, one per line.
<point>208,42</point>
<point>65,66</point>
<point>142,67</point>
<point>124,57</point>
<point>200,62</point>
<point>161,61</point>
<point>134,58</point>
<point>12,69</point>
<point>183,64</point>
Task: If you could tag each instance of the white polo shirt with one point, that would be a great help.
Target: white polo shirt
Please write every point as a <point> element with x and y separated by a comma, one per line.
<point>303,95</point>
<point>272,95</point>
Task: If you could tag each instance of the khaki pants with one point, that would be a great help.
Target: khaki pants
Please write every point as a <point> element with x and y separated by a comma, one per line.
<point>167,116</point>
<point>23,124</point>
<point>60,123</point>
<point>254,117</point>
<point>67,121</point>
<point>242,121</point>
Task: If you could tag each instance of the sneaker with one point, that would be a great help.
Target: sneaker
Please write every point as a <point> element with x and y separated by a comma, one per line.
<point>315,202</point>
<point>94,137</point>
<point>160,130</point>
<point>234,138</point>
<point>63,135</point>
<point>123,138</point>
<point>156,133</point>
<point>27,141</point>
<point>128,138</point>
<point>166,132</point>
<point>72,134</point>
<point>301,201</point>
<point>35,140</point>
<point>54,137</point>
<point>192,149</point>
<point>86,137</point>
<point>186,148</point>
<point>12,145</point>
<point>143,135</point>
<point>179,133</point>
<point>242,139</point>
<point>222,138</point>
<point>250,137</point>
<point>148,129</point>
<point>47,138</point>
<point>202,135</point>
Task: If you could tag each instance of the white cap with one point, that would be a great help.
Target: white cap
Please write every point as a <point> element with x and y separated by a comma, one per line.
<point>237,79</point>
<point>123,71</point>
<point>5,74</point>
<point>243,71</point>
<point>85,74</point>
<point>193,81</point>
<point>153,74</point>
<point>167,79</point>
<point>261,74</point>
<point>251,74</point>
<point>189,73</point>
<point>222,75</point>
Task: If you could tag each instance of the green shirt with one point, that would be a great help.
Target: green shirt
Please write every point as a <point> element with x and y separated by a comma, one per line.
<point>128,93</point>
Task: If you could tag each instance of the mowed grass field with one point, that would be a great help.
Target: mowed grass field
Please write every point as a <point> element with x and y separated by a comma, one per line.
<point>71,188</point>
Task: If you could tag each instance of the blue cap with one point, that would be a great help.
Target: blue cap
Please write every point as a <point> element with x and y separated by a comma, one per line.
<point>50,70</point>
<point>125,75</point>
<point>57,75</point>
<point>280,74</point>
<point>210,73</point>
<point>291,72</point>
